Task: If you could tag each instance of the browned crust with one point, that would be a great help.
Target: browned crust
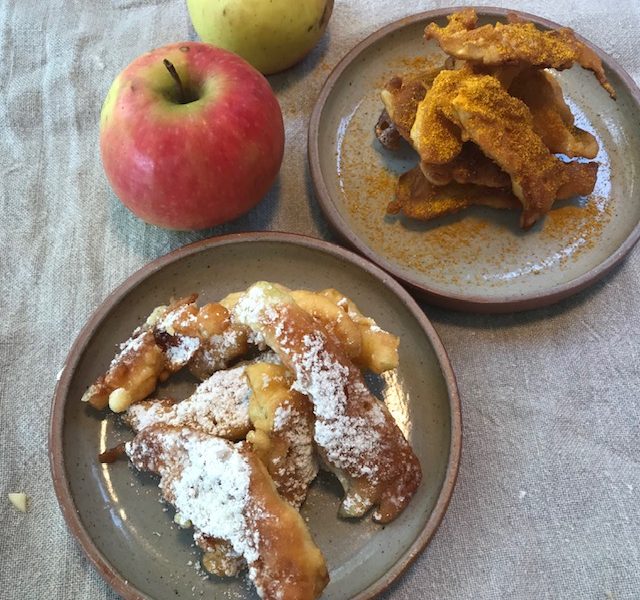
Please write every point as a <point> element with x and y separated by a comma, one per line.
<point>393,470</point>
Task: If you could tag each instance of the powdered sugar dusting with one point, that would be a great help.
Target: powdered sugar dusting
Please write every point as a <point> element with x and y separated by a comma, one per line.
<point>269,357</point>
<point>147,413</point>
<point>300,467</point>
<point>219,406</point>
<point>251,305</point>
<point>218,347</point>
<point>348,440</point>
<point>212,491</point>
<point>320,377</point>
<point>178,317</point>
<point>133,344</point>
<point>282,414</point>
<point>181,353</point>
<point>257,339</point>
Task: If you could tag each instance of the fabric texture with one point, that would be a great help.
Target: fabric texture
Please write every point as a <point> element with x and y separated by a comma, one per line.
<point>547,503</point>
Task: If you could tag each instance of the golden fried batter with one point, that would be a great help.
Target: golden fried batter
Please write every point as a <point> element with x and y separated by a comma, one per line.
<point>502,126</point>
<point>514,43</point>
<point>172,337</point>
<point>146,358</point>
<point>434,134</point>
<point>337,323</point>
<point>378,348</point>
<point>355,434</point>
<point>283,434</point>
<point>225,492</point>
<point>470,166</point>
<point>417,198</point>
<point>219,406</point>
<point>401,96</point>
<point>552,118</point>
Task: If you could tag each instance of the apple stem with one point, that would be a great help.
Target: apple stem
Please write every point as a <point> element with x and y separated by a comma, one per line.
<point>176,78</point>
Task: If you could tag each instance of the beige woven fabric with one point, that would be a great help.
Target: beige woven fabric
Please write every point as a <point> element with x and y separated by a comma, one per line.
<point>548,499</point>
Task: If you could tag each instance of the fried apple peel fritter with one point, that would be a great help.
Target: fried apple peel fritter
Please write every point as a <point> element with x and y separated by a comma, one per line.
<point>494,117</point>
<point>418,198</point>
<point>150,355</point>
<point>224,491</point>
<point>356,436</point>
<point>502,126</point>
<point>552,118</point>
<point>581,179</point>
<point>219,406</point>
<point>236,457</point>
<point>516,42</point>
<point>378,348</point>
<point>470,166</point>
<point>283,430</point>
<point>401,96</point>
<point>435,136</point>
<point>174,336</point>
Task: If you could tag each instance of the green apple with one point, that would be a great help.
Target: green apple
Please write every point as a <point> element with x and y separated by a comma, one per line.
<point>272,35</point>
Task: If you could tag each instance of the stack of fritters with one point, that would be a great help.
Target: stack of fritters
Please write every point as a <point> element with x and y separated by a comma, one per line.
<point>489,124</point>
<point>237,457</point>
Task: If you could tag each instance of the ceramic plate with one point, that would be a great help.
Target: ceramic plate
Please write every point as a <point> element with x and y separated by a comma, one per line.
<point>115,512</point>
<point>478,259</point>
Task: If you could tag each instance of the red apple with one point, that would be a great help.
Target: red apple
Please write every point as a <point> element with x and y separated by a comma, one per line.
<point>191,136</point>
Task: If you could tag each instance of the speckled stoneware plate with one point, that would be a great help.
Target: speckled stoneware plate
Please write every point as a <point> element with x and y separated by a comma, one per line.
<point>115,512</point>
<point>479,259</point>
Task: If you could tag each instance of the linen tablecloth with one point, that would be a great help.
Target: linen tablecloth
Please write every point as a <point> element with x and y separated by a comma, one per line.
<point>548,498</point>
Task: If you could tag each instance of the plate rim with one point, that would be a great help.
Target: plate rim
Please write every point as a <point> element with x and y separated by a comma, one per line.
<point>56,418</point>
<point>464,302</point>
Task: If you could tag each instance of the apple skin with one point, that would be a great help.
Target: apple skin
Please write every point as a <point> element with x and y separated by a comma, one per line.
<point>272,35</point>
<point>194,165</point>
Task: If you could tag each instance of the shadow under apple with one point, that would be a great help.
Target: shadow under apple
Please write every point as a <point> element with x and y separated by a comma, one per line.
<point>150,241</point>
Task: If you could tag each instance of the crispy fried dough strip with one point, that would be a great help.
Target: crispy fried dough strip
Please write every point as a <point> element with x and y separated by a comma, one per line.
<point>335,320</point>
<point>355,433</point>
<point>552,118</point>
<point>502,127</point>
<point>470,166</point>
<point>173,337</point>
<point>379,348</point>
<point>418,198</point>
<point>401,96</point>
<point>144,360</point>
<point>435,136</point>
<point>514,43</point>
<point>219,406</point>
<point>149,411</point>
<point>581,179</point>
<point>283,434</point>
<point>225,491</point>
